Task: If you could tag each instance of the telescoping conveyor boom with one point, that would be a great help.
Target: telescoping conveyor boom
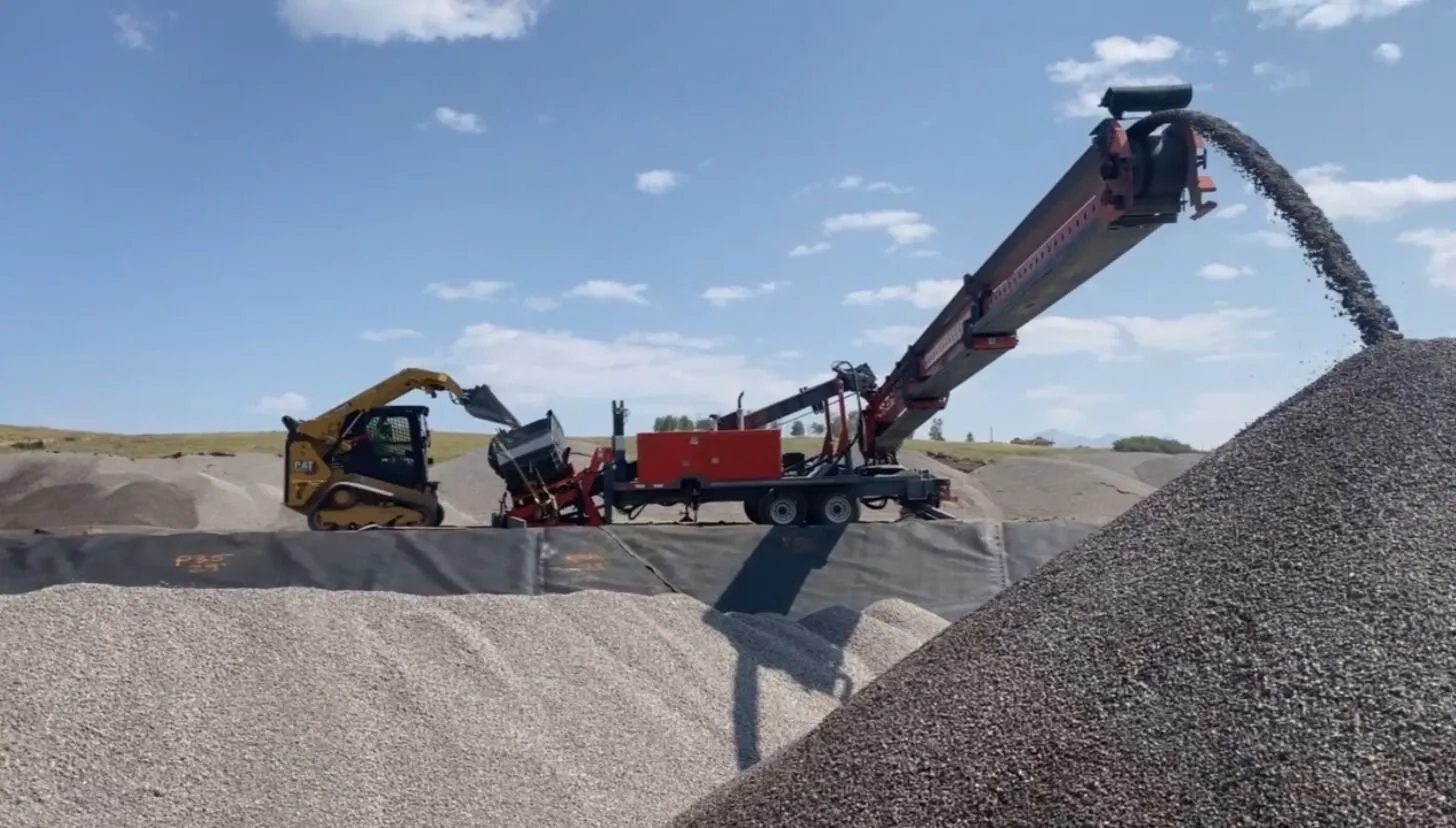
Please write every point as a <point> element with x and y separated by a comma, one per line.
<point>1127,184</point>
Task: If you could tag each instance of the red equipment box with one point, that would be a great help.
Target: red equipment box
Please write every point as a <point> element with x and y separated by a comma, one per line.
<point>666,457</point>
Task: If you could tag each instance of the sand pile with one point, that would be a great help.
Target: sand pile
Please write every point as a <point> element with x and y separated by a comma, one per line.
<point>1155,470</point>
<point>1038,488</point>
<point>58,491</point>
<point>152,707</point>
<point>1268,640</point>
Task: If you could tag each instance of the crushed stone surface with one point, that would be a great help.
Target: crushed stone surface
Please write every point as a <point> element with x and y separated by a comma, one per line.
<point>126,708</point>
<point>53,491</point>
<point>241,493</point>
<point>1037,488</point>
<point>1269,640</point>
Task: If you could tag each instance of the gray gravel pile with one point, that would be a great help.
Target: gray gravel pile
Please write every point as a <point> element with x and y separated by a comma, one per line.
<point>1269,640</point>
<point>58,491</point>
<point>1044,488</point>
<point>150,707</point>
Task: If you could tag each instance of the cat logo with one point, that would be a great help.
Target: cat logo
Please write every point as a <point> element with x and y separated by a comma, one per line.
<point>305,466</point>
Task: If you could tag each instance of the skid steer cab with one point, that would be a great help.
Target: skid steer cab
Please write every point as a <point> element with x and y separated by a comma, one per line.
<point>376,474</point>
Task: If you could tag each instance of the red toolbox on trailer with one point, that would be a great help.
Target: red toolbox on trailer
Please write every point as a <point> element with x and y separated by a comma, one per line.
<point>666,457</point>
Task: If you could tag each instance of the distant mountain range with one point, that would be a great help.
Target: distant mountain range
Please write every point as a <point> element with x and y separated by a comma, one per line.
<point>1066,439</point>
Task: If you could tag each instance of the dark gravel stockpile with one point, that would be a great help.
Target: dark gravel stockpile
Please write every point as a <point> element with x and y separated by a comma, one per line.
<point>1269,640</point>
<point>1323,247</point>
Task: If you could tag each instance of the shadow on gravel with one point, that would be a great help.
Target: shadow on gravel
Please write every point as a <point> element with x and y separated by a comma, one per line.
<point>770,580</point>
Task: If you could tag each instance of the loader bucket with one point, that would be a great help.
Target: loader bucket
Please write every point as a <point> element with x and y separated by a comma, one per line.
<point>481,403</point>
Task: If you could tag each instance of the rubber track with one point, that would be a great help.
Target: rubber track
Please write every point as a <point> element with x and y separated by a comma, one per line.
<point>1323,247</point>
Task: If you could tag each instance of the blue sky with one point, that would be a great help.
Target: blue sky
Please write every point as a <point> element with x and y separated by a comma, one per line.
<point>214,213</point>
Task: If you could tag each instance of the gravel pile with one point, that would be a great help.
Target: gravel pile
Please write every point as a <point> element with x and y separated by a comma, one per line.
<point>1269,640</point>
<point>57,491</point>
<point>153,707</point>
<point>1042,488</point>
<point>1156,470</point>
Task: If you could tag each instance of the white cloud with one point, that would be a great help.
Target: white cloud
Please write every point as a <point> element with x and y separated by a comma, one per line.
<point>1116,61</point>
<point>728,294</point>
<point>534,367</point>
<point>1218,335</point>
<point>1387,53</point>
<point>133,32</point>
<point>905,227</point>
<point>611,291</point>
<point>542,303</point>
<point>907,234</point>
<point>380,21</point>
<point>1222,272</point>
<point>1280,78</point>
<point>1230,211</point>
<point>1212,335</point>
<point>657,182</point>
<point>478,289</point>
<point>1069,407</point>
<point>1325,14</point>
<point>925,254</point>
<point>390,334</point>
<point>1063,335</point>
<point>858,182</point>
<point>1221,57</point>
<point>463,122</point>
<point>671,339</point>
<point>1270,238</point>
<point>809,249</point>
<point>1211,418</point>
<point>788,354</point>
<point>927,293</point>
<point>1441,245</point>
<point>1066,394</point>
<point>289,402</point>
<point>1375,200</point>
<point>892,336</point>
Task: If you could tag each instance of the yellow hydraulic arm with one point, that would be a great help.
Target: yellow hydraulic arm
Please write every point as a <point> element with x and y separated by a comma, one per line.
<point>479,402</point>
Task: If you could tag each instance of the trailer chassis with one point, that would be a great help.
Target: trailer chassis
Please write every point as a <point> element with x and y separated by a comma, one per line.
<point>831,493</point>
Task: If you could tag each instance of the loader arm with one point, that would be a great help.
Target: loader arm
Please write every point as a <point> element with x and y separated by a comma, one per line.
<point>1125,186</point>
<point>479,402</point>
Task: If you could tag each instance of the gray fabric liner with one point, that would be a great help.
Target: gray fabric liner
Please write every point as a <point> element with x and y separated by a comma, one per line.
<point>949,568</point>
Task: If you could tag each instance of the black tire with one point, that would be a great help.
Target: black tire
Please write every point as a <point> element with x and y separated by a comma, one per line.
<point>834,509</point>
<point>750,511</point>
<point>783,508</point>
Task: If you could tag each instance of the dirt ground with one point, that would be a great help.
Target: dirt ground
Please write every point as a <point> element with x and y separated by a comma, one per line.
<point>212,488</point>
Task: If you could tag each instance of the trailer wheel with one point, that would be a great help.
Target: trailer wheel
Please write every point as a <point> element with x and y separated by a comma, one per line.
<point>835,509</point>
<point>751,511</point>
<point>782,508</point>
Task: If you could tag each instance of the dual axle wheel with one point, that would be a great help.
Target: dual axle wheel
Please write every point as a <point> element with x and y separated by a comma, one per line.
<point>791,508</point>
